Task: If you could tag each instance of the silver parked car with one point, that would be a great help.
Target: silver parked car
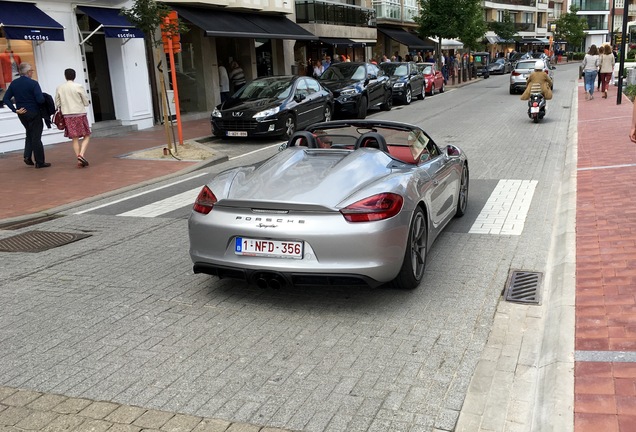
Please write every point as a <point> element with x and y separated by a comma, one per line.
<point>352,202</point>
<point>523,69</point>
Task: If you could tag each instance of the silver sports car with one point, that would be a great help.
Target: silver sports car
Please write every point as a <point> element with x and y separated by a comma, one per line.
<point>343,203</point>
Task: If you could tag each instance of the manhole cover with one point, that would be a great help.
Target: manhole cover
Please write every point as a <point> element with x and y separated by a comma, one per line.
<point>38,241</point>
<point>523,287</point>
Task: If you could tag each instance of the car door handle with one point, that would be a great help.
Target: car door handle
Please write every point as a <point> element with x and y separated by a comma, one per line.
<point>435,182</point>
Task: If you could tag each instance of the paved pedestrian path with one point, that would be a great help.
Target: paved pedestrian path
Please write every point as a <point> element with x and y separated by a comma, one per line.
<point>605,330</point>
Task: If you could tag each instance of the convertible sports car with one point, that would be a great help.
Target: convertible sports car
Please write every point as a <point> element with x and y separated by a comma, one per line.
<point>352,202</point>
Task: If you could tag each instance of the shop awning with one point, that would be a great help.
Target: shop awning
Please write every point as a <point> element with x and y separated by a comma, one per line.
<point>343,42</point>
<point>535,41</point>
<point>220,23</point>
<point>113,24</point>
<point>492,39</point>
<point>449,44</point>
<point>26,22</point>
<point>406,38</point>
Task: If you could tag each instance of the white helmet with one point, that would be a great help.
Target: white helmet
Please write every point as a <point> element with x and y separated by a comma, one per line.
<point>539,65</point>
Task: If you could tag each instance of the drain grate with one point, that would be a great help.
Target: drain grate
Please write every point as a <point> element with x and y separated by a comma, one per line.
<point>38,241</point>
<point>523,287</point>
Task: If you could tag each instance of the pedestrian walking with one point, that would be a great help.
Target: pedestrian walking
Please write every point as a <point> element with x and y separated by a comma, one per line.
<point>28,97</point>
<point>632,132</point>
<point>606,68</point>
<point>590,70</point>
<point>224,83</point>
<point>71,99</point>
<point>317,69</point>
<point>237,76</point>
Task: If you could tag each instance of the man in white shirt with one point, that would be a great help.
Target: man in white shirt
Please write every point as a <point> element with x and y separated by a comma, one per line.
<point>224,81</point>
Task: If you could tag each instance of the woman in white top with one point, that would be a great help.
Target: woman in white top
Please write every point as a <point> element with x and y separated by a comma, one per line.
<point>71,98</point>
<point>606,63</point>
<point>590,69</point>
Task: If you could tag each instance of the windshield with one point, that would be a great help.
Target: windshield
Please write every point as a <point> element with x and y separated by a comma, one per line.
<point>395,69</point>
<point>343,71</point>
<point>427,70</point>
<point>265,88</point>
<point>526,65</point>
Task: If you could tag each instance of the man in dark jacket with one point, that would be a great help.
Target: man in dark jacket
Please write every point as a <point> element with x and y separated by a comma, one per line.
<point>28,97</point>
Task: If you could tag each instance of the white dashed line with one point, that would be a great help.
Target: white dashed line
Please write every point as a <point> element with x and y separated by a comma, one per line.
<point>506,210</point>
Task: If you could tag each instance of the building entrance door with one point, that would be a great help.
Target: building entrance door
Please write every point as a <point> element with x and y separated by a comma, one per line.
<point>96,64</point>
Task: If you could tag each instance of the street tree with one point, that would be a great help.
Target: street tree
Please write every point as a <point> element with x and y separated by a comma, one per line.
<point>474,28</point>
<point>571,27</point>
<point>153,18</point>
<point>450,19</point>
<point>505,28</point>
<point>149,16</point>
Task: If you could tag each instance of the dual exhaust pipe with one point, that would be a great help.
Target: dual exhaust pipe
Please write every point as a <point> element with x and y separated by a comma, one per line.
<point>269,280</point>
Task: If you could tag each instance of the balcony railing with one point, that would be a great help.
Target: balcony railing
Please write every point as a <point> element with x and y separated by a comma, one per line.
<point>592,5</point>
<point>324,12</point>
<point>524,27</point>
<point>531,3</point>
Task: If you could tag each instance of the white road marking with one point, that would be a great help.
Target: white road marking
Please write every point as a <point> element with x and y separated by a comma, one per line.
<point>606,167</point>
<point>506,210</point>
<point>142,193</point>
<point>164,206</point>
<point>256,151</point>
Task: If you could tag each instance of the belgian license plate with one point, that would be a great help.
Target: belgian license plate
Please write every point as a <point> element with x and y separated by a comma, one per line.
<point>268,248</point>
<point>534,110</point>
<point>238,134</point>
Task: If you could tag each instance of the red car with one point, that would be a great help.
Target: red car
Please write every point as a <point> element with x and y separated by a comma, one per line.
<point>433,77</point>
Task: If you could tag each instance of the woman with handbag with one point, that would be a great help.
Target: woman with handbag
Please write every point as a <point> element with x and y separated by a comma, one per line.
<point>71,99</point>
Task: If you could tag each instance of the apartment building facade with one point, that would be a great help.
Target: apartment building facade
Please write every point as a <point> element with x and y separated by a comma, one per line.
<point>596,13</point>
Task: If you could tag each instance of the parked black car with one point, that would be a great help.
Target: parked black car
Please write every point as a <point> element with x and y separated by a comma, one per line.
<point>356,87</point>
<point>273,106</point>
<point>406,80</point>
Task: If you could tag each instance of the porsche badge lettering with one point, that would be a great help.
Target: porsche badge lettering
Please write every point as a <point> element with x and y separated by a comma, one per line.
<point>261,219</point>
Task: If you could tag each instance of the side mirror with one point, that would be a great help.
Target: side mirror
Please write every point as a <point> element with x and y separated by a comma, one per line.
<point>452,151</point>
<point>553,67</point>
<point>299,97</point>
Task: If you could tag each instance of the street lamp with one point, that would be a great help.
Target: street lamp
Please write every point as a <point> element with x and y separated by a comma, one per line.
<point>622,51</point>
<point>612,22</point>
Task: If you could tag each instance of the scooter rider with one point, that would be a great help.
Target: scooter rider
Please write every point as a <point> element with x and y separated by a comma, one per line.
<point>538,82</point>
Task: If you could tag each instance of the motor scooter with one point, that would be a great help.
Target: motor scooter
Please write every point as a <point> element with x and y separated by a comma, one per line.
<point>536,107</point>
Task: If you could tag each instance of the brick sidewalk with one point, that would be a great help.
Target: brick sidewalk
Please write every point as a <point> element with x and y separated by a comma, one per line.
<point>605,332</point>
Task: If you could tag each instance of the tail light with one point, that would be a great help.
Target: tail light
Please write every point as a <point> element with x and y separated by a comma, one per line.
<point>515,73</point>
<point>374,208</point>
<point>205,201</point>
<point>535,104</point>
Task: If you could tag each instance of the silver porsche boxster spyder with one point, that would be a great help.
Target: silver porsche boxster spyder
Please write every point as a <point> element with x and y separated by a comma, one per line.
<point>352,202</point>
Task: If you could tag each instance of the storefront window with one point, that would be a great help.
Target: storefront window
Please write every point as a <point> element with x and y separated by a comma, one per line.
<point>12,53</point>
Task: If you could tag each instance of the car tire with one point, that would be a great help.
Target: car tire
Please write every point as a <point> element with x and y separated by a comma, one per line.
<point>414,263</point>
<point>422,94</point>
<point>443,88</point>
<point>362,108</point>
<point>408,96</point>
<point>462,200</point>
<point>327,113</point>
<point>290,127</point>
<point>512,90</point>
<point>433,90</point>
